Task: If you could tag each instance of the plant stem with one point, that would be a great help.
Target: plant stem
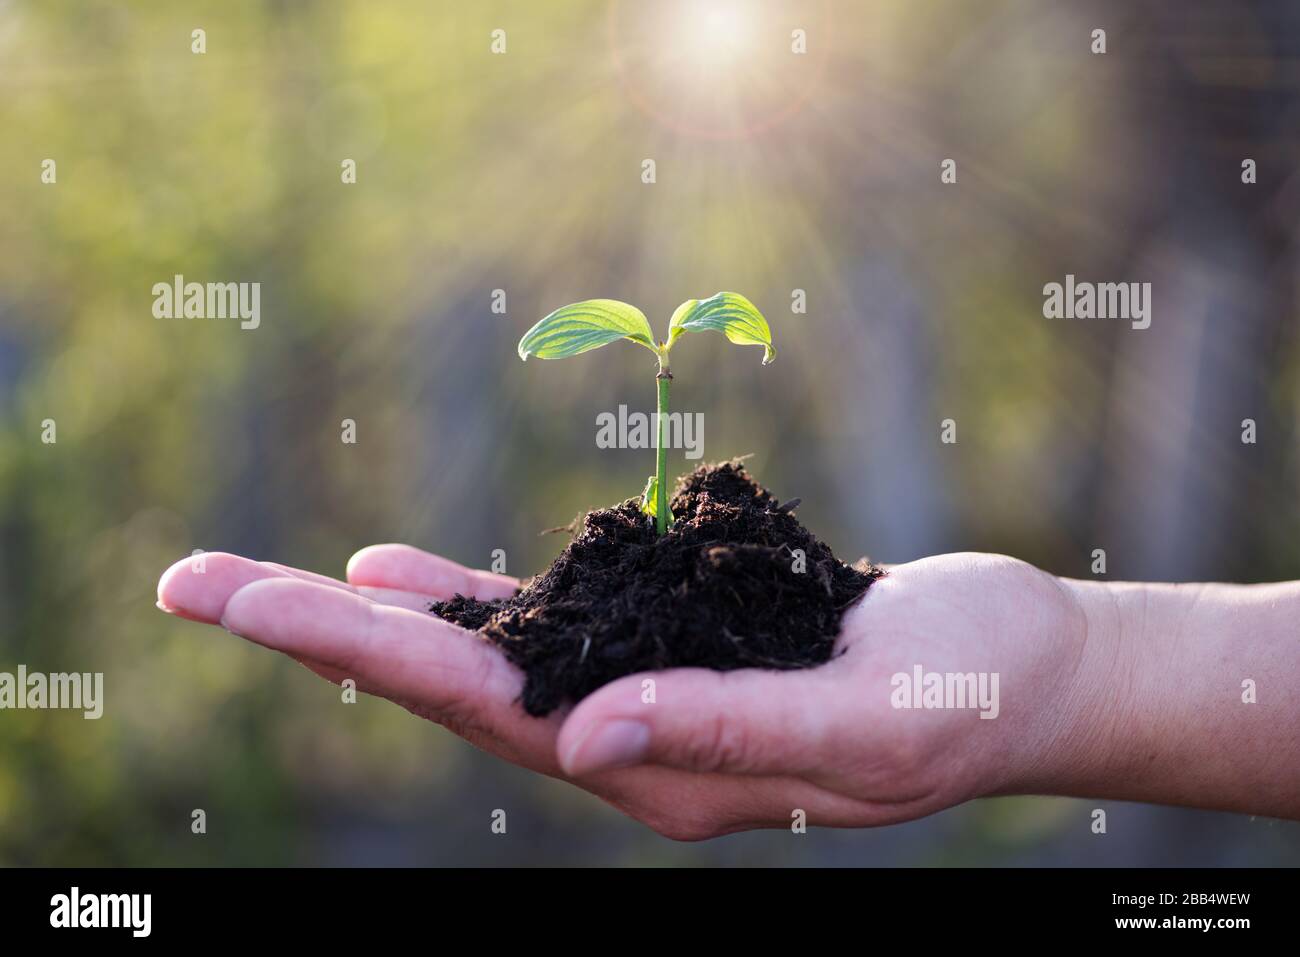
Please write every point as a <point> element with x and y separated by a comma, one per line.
<point>661,452</point>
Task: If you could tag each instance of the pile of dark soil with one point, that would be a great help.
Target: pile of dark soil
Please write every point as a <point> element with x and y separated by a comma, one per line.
<point>723,589</point>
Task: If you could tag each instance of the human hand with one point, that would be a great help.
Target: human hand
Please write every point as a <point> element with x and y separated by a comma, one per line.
<point>718,752</point>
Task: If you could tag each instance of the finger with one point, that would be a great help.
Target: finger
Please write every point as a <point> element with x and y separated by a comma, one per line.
<point>432,668</point>
<point>410,569</point>
<point>741,722</point>
<point>199,591</point>
<point>198,588</point>
<point>395,652</point>
<point>332,675</point>
<point>386,596</point>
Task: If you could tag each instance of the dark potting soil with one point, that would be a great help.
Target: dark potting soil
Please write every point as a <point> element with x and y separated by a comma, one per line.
<point>722,589</point>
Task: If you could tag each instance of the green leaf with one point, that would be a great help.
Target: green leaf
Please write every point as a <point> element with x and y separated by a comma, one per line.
<point>729,313</point>
<point>649,497</point>
<point>584,326</point>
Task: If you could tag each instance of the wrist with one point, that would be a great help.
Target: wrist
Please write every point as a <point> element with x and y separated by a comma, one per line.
<point>1156,707</point>
<point>1075,740</point>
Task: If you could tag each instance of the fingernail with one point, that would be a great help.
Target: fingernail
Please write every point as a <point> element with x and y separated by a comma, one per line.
<point>166,608</point>
<point>223,624</point>
<point>612,744</point>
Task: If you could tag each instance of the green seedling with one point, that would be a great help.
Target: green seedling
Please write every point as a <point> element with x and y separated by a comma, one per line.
<point>589,325</point>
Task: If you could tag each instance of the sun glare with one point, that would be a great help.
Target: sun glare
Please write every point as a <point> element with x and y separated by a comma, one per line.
<point>720,32</point>
<point>717,68</point>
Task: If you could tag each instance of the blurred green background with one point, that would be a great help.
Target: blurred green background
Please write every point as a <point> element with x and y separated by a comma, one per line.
<point>522,172</point>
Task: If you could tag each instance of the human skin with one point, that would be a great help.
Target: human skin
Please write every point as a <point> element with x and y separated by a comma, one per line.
<point>1111,690</point>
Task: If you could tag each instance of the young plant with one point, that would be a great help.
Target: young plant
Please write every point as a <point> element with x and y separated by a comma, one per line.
<point>589,325</point>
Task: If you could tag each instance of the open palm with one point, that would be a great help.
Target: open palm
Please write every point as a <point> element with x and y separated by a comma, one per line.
<point>713,752</point>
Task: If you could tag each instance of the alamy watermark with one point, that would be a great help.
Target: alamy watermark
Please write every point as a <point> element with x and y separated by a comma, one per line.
<point>179,299</point>
<point>75,691</point>
<point>133,912</point>
<point>948,690</point>
<point>1128,301</point>
<point>636,430</point>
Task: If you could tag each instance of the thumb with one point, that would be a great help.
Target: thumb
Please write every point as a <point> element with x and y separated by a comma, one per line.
<point>739,722</point>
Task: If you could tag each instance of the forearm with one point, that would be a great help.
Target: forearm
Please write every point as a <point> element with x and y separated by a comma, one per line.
<point>1184,694</point>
